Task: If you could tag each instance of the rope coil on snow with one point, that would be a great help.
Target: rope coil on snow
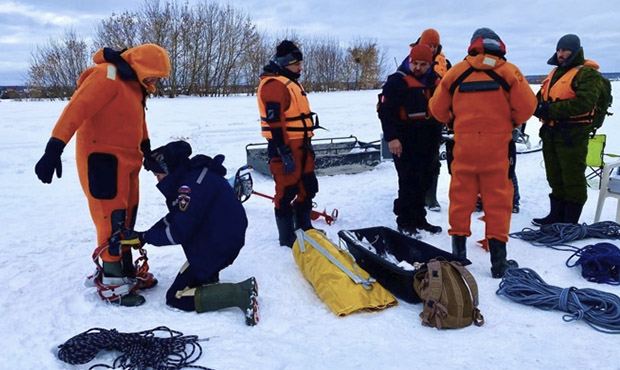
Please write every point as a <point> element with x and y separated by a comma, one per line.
<point>600,263</point>
<point>557,236</point>
<point>600,310</point>
<point>140,350</point>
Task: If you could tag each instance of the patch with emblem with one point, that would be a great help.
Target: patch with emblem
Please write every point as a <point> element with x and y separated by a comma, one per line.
<point>183,198</point>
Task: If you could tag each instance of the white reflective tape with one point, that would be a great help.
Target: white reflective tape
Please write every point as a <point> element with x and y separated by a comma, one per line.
<point>169,232</point>
<point>111,72</point>
<point>202,175</point>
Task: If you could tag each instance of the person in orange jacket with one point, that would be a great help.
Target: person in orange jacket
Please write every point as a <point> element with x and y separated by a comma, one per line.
<point>107,114</point>
<point>484,97</point>
<point>287,123</point>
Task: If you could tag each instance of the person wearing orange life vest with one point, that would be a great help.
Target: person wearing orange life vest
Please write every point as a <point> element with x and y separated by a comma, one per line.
<point>441,65</point>
<point>566,103</point>
<point>413,137</point>
<point>107,115</point>
<point>485,97</point>
<point>287,123</point>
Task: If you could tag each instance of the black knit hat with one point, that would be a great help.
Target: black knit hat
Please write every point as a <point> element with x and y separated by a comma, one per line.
<point>168,158</point>
<point>569,42</point>
<point>287,53</point>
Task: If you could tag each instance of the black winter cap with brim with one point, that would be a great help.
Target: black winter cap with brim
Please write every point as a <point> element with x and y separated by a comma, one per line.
<point>168,158</point>
<point>287,53</point>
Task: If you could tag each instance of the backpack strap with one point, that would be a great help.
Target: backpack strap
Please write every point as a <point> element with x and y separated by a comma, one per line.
<point>471,284</point>
<point>433,309</point>
<point>460,79</point>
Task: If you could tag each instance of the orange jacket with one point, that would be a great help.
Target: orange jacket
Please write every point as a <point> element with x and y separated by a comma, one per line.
<point>295,112</point>
<point>108,110</point>
<point>495,111</point>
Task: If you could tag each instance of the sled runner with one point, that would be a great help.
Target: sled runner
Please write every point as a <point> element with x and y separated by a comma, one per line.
<point>392,258</point>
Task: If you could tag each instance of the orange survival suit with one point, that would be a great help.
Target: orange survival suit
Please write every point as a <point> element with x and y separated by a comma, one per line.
<point>106,113</point>
<point>487,97</point>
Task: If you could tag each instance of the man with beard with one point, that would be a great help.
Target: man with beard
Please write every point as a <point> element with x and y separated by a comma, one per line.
<point>413,137</point>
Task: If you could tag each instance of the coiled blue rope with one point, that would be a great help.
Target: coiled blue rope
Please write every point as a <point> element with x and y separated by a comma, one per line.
<point>557,236</point>
<point>600,310</point>
<point>141,350</point>
<point>600,263</point>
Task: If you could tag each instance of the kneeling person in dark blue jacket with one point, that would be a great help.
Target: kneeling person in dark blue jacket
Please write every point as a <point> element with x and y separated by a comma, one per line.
<point>209,222</point>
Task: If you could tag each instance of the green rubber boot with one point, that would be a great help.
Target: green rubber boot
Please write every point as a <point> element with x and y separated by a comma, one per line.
<point>217,296</point>
<point>116,288</point>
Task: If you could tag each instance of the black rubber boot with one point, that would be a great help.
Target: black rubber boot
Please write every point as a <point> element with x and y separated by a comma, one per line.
<point>430,198</point>
<point>215,297</point>
<point>556,213</point>
<point>459,248</point>
<point>302,216</point>
<point>499,263</point>
<point>572,212</point>
<point>286,230</point>
<point>120,285</point>
<point>424,225</point>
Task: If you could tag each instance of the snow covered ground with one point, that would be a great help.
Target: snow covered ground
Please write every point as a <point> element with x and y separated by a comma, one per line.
<point>47,238</point>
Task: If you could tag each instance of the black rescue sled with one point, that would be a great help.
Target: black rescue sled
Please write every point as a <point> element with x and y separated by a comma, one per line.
<point>392,258</point>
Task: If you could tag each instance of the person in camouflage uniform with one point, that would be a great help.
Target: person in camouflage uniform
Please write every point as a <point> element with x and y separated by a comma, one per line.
<point>566,103</point>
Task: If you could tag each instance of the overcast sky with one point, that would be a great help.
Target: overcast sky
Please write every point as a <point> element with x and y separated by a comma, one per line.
<point>529,28</point>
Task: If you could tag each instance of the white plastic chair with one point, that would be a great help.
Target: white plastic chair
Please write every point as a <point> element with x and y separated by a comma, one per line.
<point>610,188</point>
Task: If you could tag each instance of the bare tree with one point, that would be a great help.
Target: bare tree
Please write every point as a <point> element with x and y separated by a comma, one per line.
<point>55,67</point>
<point>368,61</point>
<point>119,31</point>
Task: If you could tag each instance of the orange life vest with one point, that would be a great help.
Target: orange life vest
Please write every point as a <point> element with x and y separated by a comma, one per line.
<point>299,118</point>
<point>562,89</point>
<point>413,83</point>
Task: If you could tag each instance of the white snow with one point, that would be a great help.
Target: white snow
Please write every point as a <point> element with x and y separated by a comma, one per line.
<point>47,239</point>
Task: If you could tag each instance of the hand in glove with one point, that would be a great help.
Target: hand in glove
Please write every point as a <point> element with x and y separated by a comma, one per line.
<point>132,238</point>
<point>542,110</point>
<point>287,158</point>
<point>50,161</point>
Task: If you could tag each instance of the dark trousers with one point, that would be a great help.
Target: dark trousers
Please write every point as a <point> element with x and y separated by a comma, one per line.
<point>179,296</point>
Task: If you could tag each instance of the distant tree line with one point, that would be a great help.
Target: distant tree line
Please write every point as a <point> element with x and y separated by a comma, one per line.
<point>214,49</point>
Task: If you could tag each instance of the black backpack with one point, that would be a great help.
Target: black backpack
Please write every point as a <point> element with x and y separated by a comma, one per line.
<point>605,99</point>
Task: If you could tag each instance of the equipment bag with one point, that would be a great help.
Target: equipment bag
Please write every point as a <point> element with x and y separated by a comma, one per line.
<point>335,277</point>
<point>450,295</point>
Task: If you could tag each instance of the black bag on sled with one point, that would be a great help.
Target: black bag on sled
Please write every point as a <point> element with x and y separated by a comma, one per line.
<point>392,258</point>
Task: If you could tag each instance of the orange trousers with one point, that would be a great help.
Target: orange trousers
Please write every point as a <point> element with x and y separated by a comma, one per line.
<point>109,179</point>
<point>481,166</point>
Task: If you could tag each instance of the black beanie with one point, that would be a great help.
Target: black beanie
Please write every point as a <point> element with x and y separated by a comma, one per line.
<point>569,42</point>
<point>168,158</point>
<point>287,53</point>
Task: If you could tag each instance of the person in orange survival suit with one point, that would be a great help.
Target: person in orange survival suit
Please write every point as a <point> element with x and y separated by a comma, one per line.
<point>287,124</point>
<point>107,111</point>
<point>441,65</point>
<point>487,97</point>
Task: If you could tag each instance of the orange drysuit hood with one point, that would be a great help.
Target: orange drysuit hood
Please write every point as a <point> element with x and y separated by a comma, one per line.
<point>147,60</point>
<point>484,61</point>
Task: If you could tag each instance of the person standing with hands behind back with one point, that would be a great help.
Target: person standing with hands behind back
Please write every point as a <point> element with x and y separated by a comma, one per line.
<point>287,123</point>
<point>413,137</point>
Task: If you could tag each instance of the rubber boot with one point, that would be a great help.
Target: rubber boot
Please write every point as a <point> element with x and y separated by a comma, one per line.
<point>556,213</point>
<point>572,212</point>
<point>459,248</point>
<point>499,263</point>
<point>120,286</point>
<point>423,224</point>
<point>286,230</point>
<point>215,297</point>
<point>302,216</point>
<point>129,270</point>
<point>430,198</point>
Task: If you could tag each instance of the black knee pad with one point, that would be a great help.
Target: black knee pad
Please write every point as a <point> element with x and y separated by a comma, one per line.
<point>102,175</point>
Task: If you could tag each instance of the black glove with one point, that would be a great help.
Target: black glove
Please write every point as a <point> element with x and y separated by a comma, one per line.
<point>287,158</point>
<point>145,147</point>
<point>542,110</point>
<point>50,161</point>
<point>132,238</point>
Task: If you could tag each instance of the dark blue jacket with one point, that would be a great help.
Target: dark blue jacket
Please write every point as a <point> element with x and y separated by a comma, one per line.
<point>205,216</point>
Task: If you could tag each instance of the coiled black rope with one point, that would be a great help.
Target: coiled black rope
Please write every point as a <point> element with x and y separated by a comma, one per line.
<point>140,350</point>
<point>557,236</point>
<point>600,310</point>
<point>600,263</point>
